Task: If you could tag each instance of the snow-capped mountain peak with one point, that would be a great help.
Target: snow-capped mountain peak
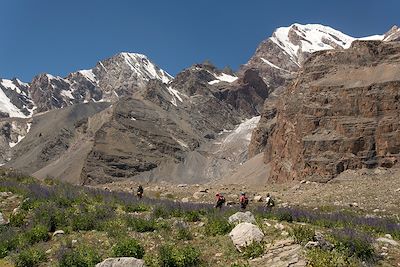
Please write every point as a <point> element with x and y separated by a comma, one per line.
<point>146,69</point>
<point>297,39</point>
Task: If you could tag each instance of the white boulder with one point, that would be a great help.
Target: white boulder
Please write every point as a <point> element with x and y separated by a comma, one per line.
<point>245,234</point>
<point>121,262</point>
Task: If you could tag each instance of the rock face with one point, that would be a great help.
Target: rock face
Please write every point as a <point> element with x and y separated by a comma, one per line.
<point>340,113</point>
<point>240,217</point>
<point>2,220</point>
<point>244,234</point>
<point>280,57</point>
<point>121,262</point>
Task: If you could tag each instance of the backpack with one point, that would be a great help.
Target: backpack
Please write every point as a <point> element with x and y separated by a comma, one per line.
<point>246,200</point>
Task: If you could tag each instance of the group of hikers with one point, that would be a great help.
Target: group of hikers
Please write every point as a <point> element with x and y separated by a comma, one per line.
<point>243,199</point>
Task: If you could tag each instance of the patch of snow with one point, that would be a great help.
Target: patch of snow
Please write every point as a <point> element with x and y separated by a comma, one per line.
<point>67,94</point>
<point>223,77</point>
<point>12,144</point>
<point>10,85</point>
<point>174,93</point>
<point>213,82</point>
<point>29,124</point>
<point>22,83</point>
<point>273,65</point>
<point>8,107</point>
<point>243,131</point>
<point>141,65</point>
<point>373,38</point>
<point>133,119</point>
<point>88,74</point>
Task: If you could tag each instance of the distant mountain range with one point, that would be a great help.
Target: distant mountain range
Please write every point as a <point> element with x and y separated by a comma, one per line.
<point>128,118</point>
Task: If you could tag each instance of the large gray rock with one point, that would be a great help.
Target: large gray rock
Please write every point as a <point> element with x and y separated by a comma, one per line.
<point>240,217</point>
<point>121,262</point>
<point>245,234</point>
<point>2,220</point>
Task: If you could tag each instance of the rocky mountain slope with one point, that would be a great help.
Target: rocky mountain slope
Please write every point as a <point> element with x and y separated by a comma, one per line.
<point>158,125</point>
<point>340,113</point>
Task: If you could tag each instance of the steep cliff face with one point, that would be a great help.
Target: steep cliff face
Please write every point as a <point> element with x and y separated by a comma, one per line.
<point>340,113</point>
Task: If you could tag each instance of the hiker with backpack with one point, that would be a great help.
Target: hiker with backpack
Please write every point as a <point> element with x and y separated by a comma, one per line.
<point>243,200</point>
<point>269,202</point>
<point>140,191</point>
<point>220,200</point>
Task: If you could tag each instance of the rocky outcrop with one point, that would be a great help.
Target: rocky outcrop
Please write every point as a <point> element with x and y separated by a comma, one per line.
<point>340,113</point>
<point>281,253</point>
<point>121,262</point>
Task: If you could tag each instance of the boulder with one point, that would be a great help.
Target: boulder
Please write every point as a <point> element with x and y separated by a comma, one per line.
<point>387,241</point>
<point>121,262</point>
<point>245,234</point>
<point>58,232</point>
<point>185,200</point>
<point>240,217</point>
<point>2,220</point>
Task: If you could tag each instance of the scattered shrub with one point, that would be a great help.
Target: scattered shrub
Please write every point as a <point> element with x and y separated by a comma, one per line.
<point>136,207</point>
<point>128,248</point>
<point>285,216</point>
<point>192,216</point>
<point>253,250</point>
<point>83,221</point>
<point>36,234</point>
<point>141,225</point>
<point>161,212</point>
<point>171,256</point>
<point>82,257</point>
<point>114,228</point>
<point>30,258</point>
<point>353,243</point>
<point>303,234</point>
<point>184,234</point>
<point>322,258</point>
<point>18,219</point>
<point>217,225</point>
<point>8,241</point>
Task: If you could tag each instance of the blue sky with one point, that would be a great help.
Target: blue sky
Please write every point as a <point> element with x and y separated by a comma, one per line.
<point>59,37</point>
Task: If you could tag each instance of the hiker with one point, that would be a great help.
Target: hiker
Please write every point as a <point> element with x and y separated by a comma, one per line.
<point>269,202</point>
<point>220,200</point>
<point>140,191</point>
<point>243,200</point>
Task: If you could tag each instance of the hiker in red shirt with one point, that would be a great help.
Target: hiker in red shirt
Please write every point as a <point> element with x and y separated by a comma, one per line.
<point>243,200</point>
